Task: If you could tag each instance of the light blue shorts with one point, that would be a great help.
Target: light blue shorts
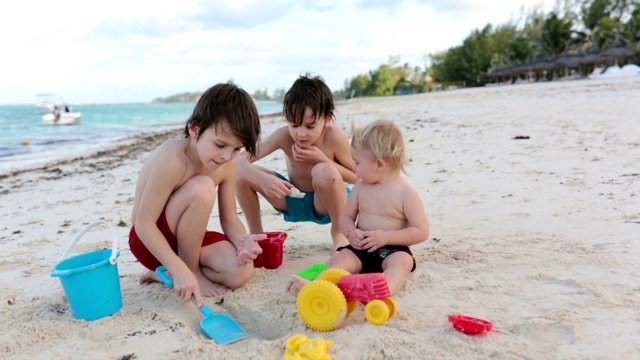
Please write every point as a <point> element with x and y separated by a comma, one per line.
<point>302,209</point>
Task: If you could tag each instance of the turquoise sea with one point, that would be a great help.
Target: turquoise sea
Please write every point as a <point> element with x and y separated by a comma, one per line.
<point>99,125</point>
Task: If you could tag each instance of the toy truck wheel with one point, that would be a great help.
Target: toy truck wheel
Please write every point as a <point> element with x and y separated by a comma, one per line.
<point>332,275</point>
<point>377,312</point>
<point>322,305</point>
<point>393,306</point>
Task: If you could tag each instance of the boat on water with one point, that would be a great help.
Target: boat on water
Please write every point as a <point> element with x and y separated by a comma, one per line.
<point>58,112</point>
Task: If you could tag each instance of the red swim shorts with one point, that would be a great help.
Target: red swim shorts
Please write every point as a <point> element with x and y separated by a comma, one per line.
<point>147,259</point>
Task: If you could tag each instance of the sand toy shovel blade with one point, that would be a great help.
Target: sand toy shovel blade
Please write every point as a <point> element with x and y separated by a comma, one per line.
<point>221,328</point>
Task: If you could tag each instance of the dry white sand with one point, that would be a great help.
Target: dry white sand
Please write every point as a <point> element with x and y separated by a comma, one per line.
<point>535,235</point>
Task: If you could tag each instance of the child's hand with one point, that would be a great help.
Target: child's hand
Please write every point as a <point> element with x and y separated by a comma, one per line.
<point>311,154</point>
<point>276,187</point>
<point>186,285</point>
<point>374,240</point>
<point>249,248</point>
<point>355,238</point>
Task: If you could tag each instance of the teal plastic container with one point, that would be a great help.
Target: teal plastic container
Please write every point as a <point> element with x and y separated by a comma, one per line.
<point>91,281</point>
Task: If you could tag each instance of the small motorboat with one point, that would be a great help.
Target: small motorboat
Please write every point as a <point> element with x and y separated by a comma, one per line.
<point>58,110</point>
<point>63,118</point>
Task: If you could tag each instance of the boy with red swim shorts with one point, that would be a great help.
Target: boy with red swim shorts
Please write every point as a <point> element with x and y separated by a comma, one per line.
<point>177,188</point>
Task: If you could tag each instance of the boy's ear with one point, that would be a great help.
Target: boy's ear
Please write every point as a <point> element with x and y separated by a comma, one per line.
<point>381,165</point>
<point>193,131</point>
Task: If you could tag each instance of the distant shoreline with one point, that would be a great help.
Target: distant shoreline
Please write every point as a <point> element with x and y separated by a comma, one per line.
<point>118,149</point>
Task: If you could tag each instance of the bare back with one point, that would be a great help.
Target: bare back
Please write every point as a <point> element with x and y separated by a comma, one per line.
<point>167,169</point>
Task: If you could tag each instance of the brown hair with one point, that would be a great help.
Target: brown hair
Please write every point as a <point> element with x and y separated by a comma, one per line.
<point>384,139</point>
<point>228,102</point>
<point>309,91</point>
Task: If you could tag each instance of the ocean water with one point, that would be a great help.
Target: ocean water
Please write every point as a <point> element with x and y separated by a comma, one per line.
<point>25,139</point>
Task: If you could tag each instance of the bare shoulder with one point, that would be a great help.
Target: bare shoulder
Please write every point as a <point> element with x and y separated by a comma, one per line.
<point>171,145</point>
<point>336,142</point>
<point>279,139</point>
<point>163,172</point>
<point>335,134</point>
<point>169,150</point>
<point>408,193</point>
<point>279,135</point>
<point>358,187</point>
<point>168,158</point>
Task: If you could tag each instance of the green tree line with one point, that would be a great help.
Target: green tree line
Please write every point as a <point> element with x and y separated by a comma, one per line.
<point>258,95</point>
<point>571,26</point>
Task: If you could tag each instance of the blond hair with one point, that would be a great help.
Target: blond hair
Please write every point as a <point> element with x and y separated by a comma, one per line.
<point>384,139</point>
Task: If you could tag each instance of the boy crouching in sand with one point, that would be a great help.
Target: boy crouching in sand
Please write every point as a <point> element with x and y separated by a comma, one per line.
<point>389,213</point>
<point>176,191</point>
<point>318,163</point>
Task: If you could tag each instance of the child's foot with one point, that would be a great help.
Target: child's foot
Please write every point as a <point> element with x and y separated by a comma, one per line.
<point>149,277</point>
<point>295,284</point>
<point>216,290</point>
<point>209,288</point>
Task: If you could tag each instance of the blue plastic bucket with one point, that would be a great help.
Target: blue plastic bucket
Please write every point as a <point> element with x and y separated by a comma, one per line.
<point>91,280</point>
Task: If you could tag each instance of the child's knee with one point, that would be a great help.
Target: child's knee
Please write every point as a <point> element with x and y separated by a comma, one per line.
<point>239,277</point>
<point>325,174</point>
<point>200,189</point>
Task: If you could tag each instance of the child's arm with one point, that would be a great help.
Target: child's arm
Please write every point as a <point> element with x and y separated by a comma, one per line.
<point>271,185</point>
<point>348,218</point>
<point>266,147</point>
<point>165,173</point>
<point>417,229</point>
<point>344,162</point>
<point>230,222</point>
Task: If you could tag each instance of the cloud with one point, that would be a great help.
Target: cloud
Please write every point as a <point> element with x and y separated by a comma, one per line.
<point>125,50</point>
<point>459,8</point>
<point>148,27</point>
<point>240,14</point>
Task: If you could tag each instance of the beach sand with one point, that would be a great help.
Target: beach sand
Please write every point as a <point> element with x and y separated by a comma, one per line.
<point>532,192</point>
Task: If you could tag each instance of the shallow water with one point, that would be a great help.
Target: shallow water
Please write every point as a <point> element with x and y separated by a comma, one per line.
<point>25,139</point>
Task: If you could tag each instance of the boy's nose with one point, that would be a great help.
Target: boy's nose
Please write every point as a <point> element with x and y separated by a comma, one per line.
<point>225,155</point>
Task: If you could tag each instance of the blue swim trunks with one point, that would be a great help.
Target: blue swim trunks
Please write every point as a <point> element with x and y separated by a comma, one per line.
<point>302,209</point>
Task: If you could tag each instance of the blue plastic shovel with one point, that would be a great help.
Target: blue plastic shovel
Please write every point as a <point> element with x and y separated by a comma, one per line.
<point>223,329</point>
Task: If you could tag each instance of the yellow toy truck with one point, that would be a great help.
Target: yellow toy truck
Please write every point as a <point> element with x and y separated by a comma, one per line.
<point>326,301</point>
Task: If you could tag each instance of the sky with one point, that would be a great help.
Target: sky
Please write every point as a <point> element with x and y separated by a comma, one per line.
<point>123,51</point>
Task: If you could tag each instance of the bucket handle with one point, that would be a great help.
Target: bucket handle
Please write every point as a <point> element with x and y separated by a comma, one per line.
<point>114,251</point>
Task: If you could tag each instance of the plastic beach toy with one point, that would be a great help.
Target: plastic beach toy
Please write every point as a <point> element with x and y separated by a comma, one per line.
<point>470,325</point>
<point>312,272</point>
<point>221,328</point>
<point>324,303</point>
<point>272,249</point>
<point>301,347</point>
<point>91,280</point>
